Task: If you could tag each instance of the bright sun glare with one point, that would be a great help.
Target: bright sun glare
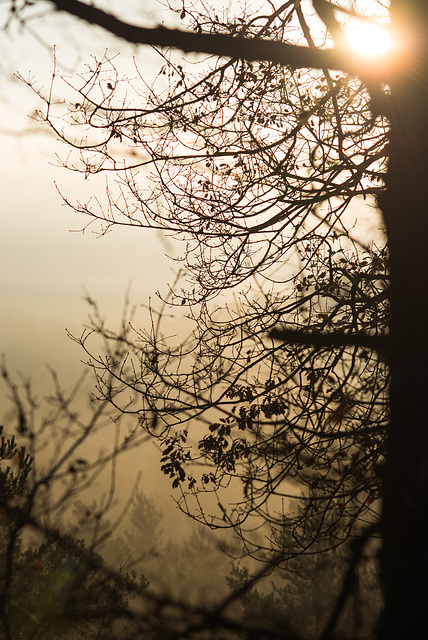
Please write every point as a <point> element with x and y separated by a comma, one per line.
<point>369,39</point>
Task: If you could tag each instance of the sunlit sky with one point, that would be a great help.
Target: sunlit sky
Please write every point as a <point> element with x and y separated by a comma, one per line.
<point>44,266</point>
<point>369,39</point>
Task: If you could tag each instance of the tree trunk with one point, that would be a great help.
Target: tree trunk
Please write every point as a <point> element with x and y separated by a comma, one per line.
<point>405,210</point>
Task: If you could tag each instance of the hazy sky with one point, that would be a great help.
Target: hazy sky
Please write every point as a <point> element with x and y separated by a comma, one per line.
<point>44,267</point>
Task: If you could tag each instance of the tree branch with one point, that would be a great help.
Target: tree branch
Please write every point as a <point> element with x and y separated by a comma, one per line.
<point>250,49</point>
<point>379,343</point>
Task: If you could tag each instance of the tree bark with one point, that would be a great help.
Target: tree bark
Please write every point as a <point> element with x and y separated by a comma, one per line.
<point>405,210</point>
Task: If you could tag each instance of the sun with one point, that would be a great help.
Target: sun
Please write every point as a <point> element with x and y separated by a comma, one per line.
<point>369,39</point>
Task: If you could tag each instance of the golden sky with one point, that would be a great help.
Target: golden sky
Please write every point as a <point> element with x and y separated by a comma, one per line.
<point>44,268</point>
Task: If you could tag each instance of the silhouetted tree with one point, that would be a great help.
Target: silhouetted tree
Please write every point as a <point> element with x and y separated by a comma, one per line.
<point>52,585</point>
<point>256,161</point>
<point>59,589</point>
<point>306,595</point>
<point>238,156</point>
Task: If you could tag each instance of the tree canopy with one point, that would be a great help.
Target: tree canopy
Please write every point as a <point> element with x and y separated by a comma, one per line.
<point>260,168</point>
<point>260,159</point>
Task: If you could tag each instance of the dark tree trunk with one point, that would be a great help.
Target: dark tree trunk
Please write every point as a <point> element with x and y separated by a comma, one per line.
<point>405,209</point>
